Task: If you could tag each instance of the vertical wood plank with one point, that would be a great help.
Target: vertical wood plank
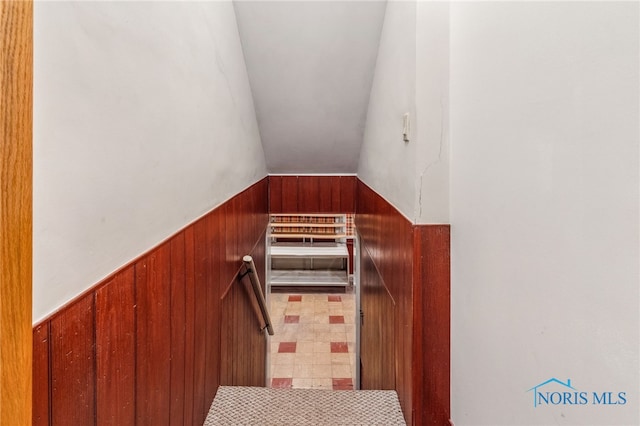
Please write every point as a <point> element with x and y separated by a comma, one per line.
<point>347,194</point>
<point>308,194</point>
<point>178,329</point>
<point>41,375</point>
<point>289,194</point>
<point>432,339</point>
<point>115,350</point>
<point>275,194</point>
<point>212,349</point>
<point>200,320</point>
<point>16,82</point>
<point>72,365</point>
<point>190,325</point>
<point>333,205</point>
<point>153,352</point>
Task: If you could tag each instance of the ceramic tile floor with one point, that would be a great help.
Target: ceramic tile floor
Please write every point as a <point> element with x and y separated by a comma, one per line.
<point>313,345</point>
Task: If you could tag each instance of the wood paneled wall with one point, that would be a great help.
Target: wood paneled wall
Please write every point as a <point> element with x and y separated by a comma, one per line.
<point>151,344</point>
<point>312,194</point>
<point>405,295</point>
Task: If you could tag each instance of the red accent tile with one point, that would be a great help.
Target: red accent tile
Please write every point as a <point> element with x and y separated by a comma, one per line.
<point>287,347</point>
<point>338,347</point>
<point>281,383</point>
<point>336,319</point>
<point>295,298</point>
<point>342,384</point>
<point>291,319</point>
<point>335,299</point>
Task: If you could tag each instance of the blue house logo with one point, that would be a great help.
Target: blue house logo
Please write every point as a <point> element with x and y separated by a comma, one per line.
<point>557,392</point>
<point>540,397</point>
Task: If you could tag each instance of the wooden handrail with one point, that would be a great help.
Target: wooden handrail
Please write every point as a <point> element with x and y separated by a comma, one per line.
<point>257,289</point>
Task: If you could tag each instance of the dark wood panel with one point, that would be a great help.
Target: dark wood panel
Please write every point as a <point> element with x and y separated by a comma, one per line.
<point>289,194</point>
<point>312,194</point>
<point>377,330</point>
<point>347,194</point>
<point>153,325</point>
<point>115,350</point>
<point>231,228</point>
<point>309,194</point>
<point>72,364</point>
<point>212,344</point>
<point>160,317</point>
<point>190,325</point>
<point>332,184</point>
<point>387,250</point>
<point>41,375</point>
<point>275,194</point>
<point>200,320</point>
<point>432,311</point>
<point>178,317</point>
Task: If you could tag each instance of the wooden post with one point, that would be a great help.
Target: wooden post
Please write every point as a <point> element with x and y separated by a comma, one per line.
<point>16,112</point>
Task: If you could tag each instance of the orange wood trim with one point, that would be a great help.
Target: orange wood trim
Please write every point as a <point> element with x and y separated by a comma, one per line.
<point>16,122</point>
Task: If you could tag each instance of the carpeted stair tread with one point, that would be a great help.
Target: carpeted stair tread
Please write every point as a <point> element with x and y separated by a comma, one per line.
<point>237,405</point>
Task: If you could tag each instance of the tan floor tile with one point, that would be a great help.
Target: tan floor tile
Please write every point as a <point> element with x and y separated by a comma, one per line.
<point>341,358</point>
<point>304,358</point>
<point>323,383</point>
<point>341,370</point>
<point>282,371</point>
<point>325,337</point>
<point>298,383</point>
<point>322,328</point>
<point>307,318</point>
<point>306,336</point>
<point>338,337</point>
<point>321,358</point>
<point>322,371</point>
<point>321,347</point>
<point>282,358</point>
<point>306,328</point>
<point>338,328</point>
<point>303,371</point>
<point>305,347</point>
<point>321,319</point>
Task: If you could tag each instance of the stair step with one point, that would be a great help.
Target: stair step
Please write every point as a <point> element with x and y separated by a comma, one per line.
<point>238,405</point>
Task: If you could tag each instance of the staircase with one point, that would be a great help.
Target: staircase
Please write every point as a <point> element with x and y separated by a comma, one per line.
<point>236,405</point>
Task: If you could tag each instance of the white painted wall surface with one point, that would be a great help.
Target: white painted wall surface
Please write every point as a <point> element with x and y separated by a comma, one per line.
<point>387,163</point>
<point>143,121</point>
<point>544,209</point>
<point>310,64</point>
<point>432,113</point>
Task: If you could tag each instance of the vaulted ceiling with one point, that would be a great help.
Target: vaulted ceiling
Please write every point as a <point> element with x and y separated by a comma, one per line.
<point>310,65</point>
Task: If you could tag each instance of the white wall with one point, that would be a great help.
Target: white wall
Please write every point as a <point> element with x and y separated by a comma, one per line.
<point>544,209</point>
<point>143,121</point>
<point>432,113</point>
<point>411,75</point>
<point>310,65</point>
<point>387,163</point>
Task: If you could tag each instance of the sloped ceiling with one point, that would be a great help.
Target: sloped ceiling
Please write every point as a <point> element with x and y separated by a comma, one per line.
<point>310,66</point>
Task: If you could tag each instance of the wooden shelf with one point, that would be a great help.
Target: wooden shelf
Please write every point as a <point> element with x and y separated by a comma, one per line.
<point>305,277</point>
<point>320,236</point>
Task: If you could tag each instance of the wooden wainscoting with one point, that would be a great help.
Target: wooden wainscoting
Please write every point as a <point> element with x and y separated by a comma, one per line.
<point>312,194</point>
<point>405,295</point>
<point>377,329</point>
<point>144,346</point>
